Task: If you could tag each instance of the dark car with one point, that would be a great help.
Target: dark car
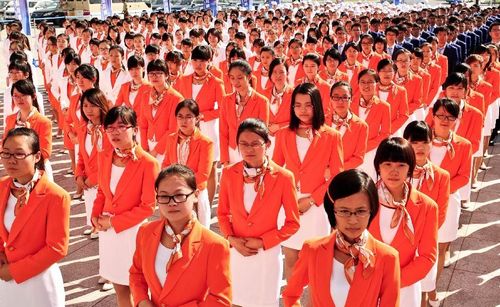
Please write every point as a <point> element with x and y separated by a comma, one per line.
<point>48,10</point>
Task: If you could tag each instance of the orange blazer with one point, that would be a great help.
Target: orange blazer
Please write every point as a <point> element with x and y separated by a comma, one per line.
<point>211,92</point>
<point>325,152</point>
<point>163,122</point>
<point>71,120</point>
<point>442,61</point>
<point>87,165</point>
<point>477,100</point>
<point>426,85</point>
<point>378,120</point>
<point>203,269</point>
<point>338,76</point>
<point>414,91</point>
<point>257,107</point>
<point>279,191</point>
<point>354,142</point>
<point>40,233</point>
<point>373,59</point>
<point>459,167</point>
<point>282,117</point>
<point>486,89</point>
<point>423,213</point>
<point>435,72</point>
<point>228,88</point>
<point>300,71</point>
<point>398,101</point>
<point>124,97</point>
<point>200,159</point>
<point>492,76</point>
<point>354,80</point>
<point>134,198</point>
<point>324,90</point>
<point>438,190</point>
<point>314,269</point>
<point>217,72</point>
<point>42,126</point>
<point>258,85</point>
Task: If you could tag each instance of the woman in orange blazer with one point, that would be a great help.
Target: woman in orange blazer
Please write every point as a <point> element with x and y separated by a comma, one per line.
<point>125,198</point>
<point>351,66</point>
<point>294,61</point>
<point>416,59</point>
<point>325,264</point>
<point>264,83</point>
<point>130,92</point>
<point>24,97</point>
<point>91,141</point>
<point>312,151</point>
<point>208,91</point>
<point>434,182</point>
<point>331,61</point>
<point>353,129</point>
<point>244,103</point>
<point>158,108</point>
<point>224,67</point>
<point>176,252</point>
<point>411,82</point>
<point>34,225</point>
<point>395,96</point>
<point>366,55</point>
<point>407,219</point>
<point>252,193</point>
<point>311,63</point>
<point>375,112</point>
<point>434,70</point>
<point>235,54</point>
<point>189,146</point>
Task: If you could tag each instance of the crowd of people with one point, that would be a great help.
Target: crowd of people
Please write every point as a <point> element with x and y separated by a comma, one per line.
<point>348,137</point>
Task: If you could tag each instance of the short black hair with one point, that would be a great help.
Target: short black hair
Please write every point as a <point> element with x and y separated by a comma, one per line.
<point>395,149</point>
<point>158,65</point>
<point>318,114</point>
<point>126,114</point>
<point>135,61</point>
<point>418,131</point>
<point>201,52</point>
<point>275,62</point>
<point>448,104</point>
<point>256,126</point>
<point>455,79</point>
<point>177,170</point>
<point>332,53</point>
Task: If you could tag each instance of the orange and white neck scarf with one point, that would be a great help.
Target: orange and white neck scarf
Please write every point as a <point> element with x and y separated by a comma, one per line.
<point>358,252</point>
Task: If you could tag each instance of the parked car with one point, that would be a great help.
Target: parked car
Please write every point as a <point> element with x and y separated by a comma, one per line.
<point>48,10</point>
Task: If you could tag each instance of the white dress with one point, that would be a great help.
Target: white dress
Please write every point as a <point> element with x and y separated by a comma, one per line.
<point>256,279</point>
<point>163,254</point>
<point>314,222</point>
<point>116,250</point>
<point>209,128</point>
<point>339,286</point>
<point>44,289</point>
<point>89,194</point>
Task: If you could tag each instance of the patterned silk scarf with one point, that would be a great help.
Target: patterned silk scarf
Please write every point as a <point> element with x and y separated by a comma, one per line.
<point>358,252</point>
<point>177,239</point>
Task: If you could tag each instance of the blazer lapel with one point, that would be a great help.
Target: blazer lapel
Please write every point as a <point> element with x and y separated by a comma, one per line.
<point>269,182</point>
<point>4,197</point>
<point>312,150</point>
<point>292,145</point>
<point>129,173</point>
<point>189,248</point>
<point>324,269</point>
<point>150,250</point>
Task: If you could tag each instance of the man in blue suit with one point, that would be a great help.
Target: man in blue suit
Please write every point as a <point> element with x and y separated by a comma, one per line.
<point>447,49</point>
<point>416,39</point>
<point>391,34</point>
<point>461,46</point>
<point>403,39</point>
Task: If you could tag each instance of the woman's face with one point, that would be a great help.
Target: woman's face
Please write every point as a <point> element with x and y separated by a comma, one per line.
<point>113,34</point>
<point>83,83</point>
<point>310,69</point>
<point>266,58</point>
<point>252,148</point>
<point>303,108</point>
<point>157,78</point>
<point>92,112</point>
<point>136,72</point>
<point>120,134</point>
<point>422,149</point>
<point>71,67</point>
<point>443,120</point>
<point>386,74</point>
<point>486,58</point>
<point>379,47</point>
<point>341,100</point>
<point>455,92</point>
<point>351,54</point>
<point>23,168</point>
<point>367,85</point>
<point>403,63</point>
<point>353,226</point>
<point>176,212</point>
<point>279,76</point>
<point>476,68</point>
<point>393,174</point>
<point>115,58</point>
<point>239,80</point>
<point>22,101</point>
<point>200,67</point>
<point>16,75</point>
<point>331,64</point>
<point>186,121</point>
<point>104,51</point>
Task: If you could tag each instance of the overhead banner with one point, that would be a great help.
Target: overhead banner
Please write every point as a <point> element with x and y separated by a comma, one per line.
<point>166,6</point>
<point>248,4</point>
<point>22,12</point>
<point>212,5</point>
<point>106,9</point>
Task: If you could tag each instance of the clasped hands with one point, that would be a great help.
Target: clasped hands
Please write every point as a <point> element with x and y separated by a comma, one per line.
<point>101,223</point>
<point>4,268</point>
<point>246,246</point>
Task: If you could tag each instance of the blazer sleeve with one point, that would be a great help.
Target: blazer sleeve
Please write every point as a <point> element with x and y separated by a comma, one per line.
<point>443,197</point>
<point>46,139</point>
<point>120,98</point>
<point>464,171</point>
<point>403,112</point>
<point>80,165</point>
<point>224,132</point>
<point>384,131</point>
<point>138,284</point>
<point>278,155</point>
<point>298,280</point>
<point>56,241</point>
<point>391,283</point>
<point>205,162</point>
<point>99,201</point>
<point>264,111</point>
<point>223,211</point>
<point>291,226</point>
<point>145,208</point>
<point>427,249</point>
<point>143,127</point>
<point>360,150</point>
<point>219,95</point>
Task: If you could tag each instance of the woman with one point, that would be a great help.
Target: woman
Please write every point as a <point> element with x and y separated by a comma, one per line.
<point>208,91</point>
<point>411,82</point>
<point>266,56</point>
<point>367,56</point>
<point>158,108</point>
<point>394,95</point>
<point>189,146</point>
<point>91,141</point>
<point>454,154</point>
<point>115,75</point>
<point>307,148</point>
<point>407,219</point>
<point>331,61</point>
<point>380,47</point>
<point>434,182</point>
<point>280,96</point>
<point>353,129</point>
<point>351,66</point>
<point>375,112</point>
<point>34,218</point>
<point>24,97</point>
<point>252,193</point>
<point>349,267</point>
<point>243,103</point>
<point>125,199</point>
<point>195,258</point>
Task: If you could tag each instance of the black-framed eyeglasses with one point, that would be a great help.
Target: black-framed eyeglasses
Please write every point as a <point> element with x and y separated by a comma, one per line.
<point>341,98</point>
<point>177,198</point>
<point>119,129</point>
<point>446,117</point>
<point>18,156</point>
<point>347,213</point>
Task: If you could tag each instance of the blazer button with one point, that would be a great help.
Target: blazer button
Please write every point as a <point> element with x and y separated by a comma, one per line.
<point>250,224</point>
<point>11,248</point>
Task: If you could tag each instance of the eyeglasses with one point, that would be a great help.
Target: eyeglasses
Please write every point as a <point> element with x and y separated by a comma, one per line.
<point>188,117</point>
<point>339,98</point>
<point>445,117</point>
<point>367,82</point>
<point>255,145</point>
<point>18,97</point>
<point>177,198</point>
<point>119,129</point>
<point>347,213</point>
<point>155,73</point>
<point>18,156</point>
